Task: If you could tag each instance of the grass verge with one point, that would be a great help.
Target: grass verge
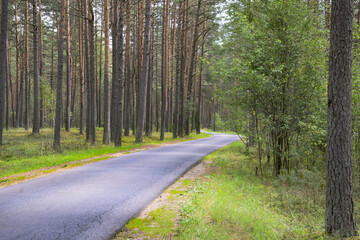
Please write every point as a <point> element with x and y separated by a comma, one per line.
<point>232,203</point>
<point>23,152</point>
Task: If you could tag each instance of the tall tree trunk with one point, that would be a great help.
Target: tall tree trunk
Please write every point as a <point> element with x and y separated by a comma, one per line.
<point>148,121</point>
<point>339,186</point>
<point>41,51</point>
<point>17,81</point>
<point>157,79</point>
<point>99,105</point>
<point>143,81</point>
<point>198,125</point>
<point>26,67</point>
<point>36,114</point>
<point>114,67</point>
<point>165,68</point>
<point>92,82</point>
<point>178,69</point>
<point>183,68</point>
<point>3,50</point>
<point>10,87</point>
<point>7,98</point>
<point>59,97</point>
<point>127,93</point>
<point>191,69</point>
<point>106,136</point>
<point>68,69</point>
<point>119,80</point>
<point>81,72</point>
<point>87,69</point>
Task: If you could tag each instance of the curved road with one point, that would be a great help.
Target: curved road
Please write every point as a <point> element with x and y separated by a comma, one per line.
<point>97,200</point>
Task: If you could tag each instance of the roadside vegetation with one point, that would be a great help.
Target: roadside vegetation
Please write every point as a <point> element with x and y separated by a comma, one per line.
<point>231,202</point>
<point>23,151</point>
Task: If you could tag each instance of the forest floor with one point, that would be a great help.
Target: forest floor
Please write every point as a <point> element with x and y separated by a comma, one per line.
<point>26,156</point>
<point>222,198</point>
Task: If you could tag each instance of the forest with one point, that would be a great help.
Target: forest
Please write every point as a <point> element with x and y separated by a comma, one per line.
<point>120,71</point>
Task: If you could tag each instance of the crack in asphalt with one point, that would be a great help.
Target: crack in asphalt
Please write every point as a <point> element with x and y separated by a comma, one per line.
<point>96,200</point>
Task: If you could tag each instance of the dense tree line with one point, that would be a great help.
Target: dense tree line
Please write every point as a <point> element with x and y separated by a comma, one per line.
<point>284,79</point>
<point>126,65</point>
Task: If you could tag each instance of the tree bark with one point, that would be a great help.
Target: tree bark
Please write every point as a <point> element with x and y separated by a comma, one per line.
<point>36,114</point>
<point>165,68</point>
<point>81,72</point>
<point>59,97</point>
<point>92,81</point>
<point>198,125</point>
<point>339,216</point>
<point>26,67</point>
<point>7,84</point>
<point>114,68</point>
<point>118,97</point>
<point>68,69</point>
<point>183,68</point>
<point>143,81</point>
<point>127,92</point>
<point>191,69</point>
<point>3,37</point>
<point>106,137</point>
<point>17,81</point>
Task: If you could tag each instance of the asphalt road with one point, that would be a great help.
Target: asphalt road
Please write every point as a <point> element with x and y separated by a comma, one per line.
<point>97,200</point>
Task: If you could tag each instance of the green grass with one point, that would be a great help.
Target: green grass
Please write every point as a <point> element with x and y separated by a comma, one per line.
<point>235,204</point>
<point>22,151</point>
<point>159,223</point>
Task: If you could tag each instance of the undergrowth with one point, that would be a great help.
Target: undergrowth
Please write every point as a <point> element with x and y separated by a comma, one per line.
<point>236,204</point>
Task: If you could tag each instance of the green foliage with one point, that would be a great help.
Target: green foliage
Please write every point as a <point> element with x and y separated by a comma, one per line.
<point>273,76</point>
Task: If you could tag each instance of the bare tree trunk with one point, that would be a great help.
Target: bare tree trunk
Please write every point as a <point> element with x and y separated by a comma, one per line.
<point>339,216</point>
<point>36,117</point>
<point>183,68</point>
<point>114,68</point>
<point>100,78</point>
<point>92,82</point>
<point>191,69</point>
<point>17,81</point>
<point>81,72</point>
<point>198,125</point>
<point>127,93</point>
<point>143,81</point>
<point>87,69</point>
<point>26,66</point>
<point>41,50</point>
<point>156,82</point>
<point>165,67</point>
<point>106,137</point>
<point>7,98</point>
<point>119,81</point>
<point>68,68</point>
<point>3,50</point>
<point>178,69</point>
<point>11,87</point>
<point>148,121</point>
<point>59,97</point>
